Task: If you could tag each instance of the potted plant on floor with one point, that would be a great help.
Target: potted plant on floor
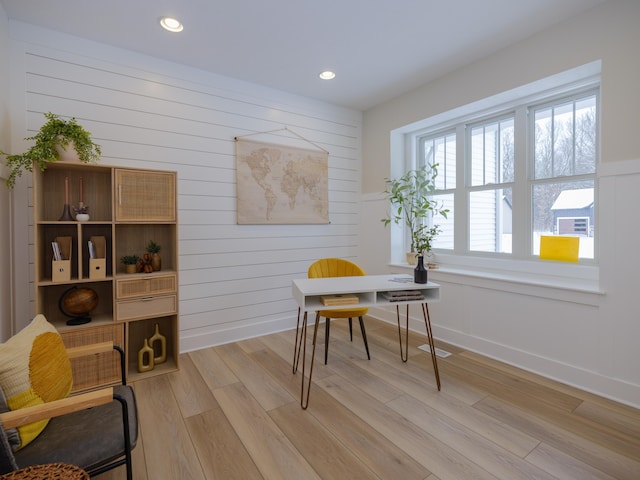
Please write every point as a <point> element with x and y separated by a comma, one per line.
<point>52,140</point>
<point>412,204</point>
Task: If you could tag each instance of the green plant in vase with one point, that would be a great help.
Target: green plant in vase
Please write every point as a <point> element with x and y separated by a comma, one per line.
<point>52,140</point>
<point>412,204</point>
<point>153,250</point>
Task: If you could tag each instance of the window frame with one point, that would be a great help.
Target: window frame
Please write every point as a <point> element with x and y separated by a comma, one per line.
<point>520,100</point>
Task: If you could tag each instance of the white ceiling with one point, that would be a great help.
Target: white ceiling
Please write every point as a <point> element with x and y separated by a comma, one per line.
<point>378,48</point>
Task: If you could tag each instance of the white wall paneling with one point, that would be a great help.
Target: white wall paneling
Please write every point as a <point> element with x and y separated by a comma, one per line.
<point>235,280</point>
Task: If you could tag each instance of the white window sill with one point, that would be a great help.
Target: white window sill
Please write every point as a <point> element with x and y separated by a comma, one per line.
<point>549,280</point>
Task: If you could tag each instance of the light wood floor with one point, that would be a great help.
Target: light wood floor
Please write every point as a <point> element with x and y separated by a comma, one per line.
<point>233,412</point>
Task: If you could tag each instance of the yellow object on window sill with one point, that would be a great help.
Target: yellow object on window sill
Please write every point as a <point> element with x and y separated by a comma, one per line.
<point>562,249</point>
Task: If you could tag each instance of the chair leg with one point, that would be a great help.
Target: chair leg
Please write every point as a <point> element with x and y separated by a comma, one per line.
<point>327,327</point>
<point>364,337</point>
<point>350,329</point>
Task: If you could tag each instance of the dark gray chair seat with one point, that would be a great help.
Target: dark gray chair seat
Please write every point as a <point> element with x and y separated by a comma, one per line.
<point>89,438</point>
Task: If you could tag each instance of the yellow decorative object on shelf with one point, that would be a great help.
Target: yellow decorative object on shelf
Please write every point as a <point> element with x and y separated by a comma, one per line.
<point>147,351</point>
<point>563,249</point>
<point>158,337</point>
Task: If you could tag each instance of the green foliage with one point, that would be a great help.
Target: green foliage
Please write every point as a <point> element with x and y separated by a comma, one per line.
<point>412,204</point>
<point>130,259</point>
<point>54,132</point>
<point>423,238</point>
<point>152,247</point>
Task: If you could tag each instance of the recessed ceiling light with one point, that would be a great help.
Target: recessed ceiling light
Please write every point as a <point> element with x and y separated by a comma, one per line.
<point>171,24</point>
<point>327,75</point>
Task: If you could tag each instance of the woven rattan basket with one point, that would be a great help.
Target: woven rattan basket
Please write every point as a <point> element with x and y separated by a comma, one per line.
<point>50,471</point>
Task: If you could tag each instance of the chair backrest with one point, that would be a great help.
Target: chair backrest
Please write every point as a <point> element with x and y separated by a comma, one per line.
<point>334,267</point>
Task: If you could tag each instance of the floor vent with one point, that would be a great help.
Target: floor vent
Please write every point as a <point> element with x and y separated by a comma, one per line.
<point>439,351</point>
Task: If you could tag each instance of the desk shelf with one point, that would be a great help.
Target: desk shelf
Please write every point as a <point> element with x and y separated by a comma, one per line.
<point>369,290</point>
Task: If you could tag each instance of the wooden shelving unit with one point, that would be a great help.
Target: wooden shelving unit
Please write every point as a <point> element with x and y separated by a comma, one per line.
<point>127,207</point>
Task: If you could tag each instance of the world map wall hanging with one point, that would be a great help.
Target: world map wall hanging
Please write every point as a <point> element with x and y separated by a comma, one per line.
<point>279,184</point>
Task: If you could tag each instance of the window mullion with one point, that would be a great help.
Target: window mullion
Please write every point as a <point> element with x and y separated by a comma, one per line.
<point>521,240</point>
<point>461,196</point>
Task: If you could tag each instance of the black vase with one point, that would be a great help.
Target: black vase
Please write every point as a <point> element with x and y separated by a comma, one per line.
<point>420,273</point>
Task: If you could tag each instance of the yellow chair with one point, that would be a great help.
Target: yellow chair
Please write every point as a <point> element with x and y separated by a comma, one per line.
<point>337,267</point>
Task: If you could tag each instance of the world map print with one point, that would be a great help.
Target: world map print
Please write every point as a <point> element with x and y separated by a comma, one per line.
<point>278,184</point>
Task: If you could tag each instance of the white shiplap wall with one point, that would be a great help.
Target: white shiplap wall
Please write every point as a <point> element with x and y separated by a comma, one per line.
<point>235,280</point>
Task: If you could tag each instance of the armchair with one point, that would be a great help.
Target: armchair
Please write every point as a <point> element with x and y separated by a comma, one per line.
<point>95,430</point>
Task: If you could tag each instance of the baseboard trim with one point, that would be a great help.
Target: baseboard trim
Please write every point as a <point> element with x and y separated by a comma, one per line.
<point>590,381</point>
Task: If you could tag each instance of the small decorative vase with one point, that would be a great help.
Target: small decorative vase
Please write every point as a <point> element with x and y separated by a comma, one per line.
<point>158,337</point>
<point>66,214</point>
<point>156,262</point>
<point>82,217</point>
<point>411,258</point>
<point>145,351</point>
<point>420,272</point>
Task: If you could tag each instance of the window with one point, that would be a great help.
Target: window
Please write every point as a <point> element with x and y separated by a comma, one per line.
<point>564,165</point>
<point>491,161</point>
<point>440,150</point>
<point>515,173</point>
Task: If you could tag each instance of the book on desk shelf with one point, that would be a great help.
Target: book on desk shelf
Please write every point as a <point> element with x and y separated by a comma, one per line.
<point>344,299</point>
<point>403,295</point>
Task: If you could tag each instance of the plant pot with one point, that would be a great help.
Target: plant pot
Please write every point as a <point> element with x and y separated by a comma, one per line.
<point>67,153</point>
<point>156,262</point>
<point>412,259</point>
<point>130,268</point>
<point>82,217</point>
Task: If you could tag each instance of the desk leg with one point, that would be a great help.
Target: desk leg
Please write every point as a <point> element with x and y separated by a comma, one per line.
<point>404,352</point>
<point>297,345</point>
<point>404,355</point>
<point>434,359</point>
<point>304,402</point>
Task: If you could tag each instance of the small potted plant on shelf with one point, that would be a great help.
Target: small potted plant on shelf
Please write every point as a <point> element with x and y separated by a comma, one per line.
<point>52,140</point>
<point>153,250</point>
<point>412,205</point>
<point>82,212</point>
<point>130,263</point>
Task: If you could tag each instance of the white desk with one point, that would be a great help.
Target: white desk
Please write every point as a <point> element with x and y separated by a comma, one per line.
<point>370,290</point>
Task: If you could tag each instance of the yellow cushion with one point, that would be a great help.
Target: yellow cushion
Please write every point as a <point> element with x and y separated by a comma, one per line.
<point>34,369</point>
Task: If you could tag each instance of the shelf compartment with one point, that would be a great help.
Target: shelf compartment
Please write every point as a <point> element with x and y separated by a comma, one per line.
<point>138,331</point>
<point>145,196</point>
<point>88,230</point>
<point>47,233</point>
<point>133,240</point>
<point>96,190</point>
<point>99,369</point>
<point>50,296</point>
